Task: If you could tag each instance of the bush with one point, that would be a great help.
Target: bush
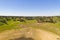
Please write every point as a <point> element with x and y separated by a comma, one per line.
<point>1,23</point>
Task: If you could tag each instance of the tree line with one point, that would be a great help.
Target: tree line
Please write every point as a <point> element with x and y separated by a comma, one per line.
<point>39,19</point>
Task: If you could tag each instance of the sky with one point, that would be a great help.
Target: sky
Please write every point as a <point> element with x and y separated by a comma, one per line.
<point>30,7</point>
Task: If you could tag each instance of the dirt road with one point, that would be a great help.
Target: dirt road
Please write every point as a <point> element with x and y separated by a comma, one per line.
<point>36,34</point>
<point>45,35</point>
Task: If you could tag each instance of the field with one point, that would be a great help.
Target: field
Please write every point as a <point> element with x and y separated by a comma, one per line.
<point>31,29</point>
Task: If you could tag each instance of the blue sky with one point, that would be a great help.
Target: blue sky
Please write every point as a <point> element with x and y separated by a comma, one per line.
<point>30,7</point>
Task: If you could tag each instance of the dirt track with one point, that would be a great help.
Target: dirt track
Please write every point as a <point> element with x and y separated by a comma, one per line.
<point>36,34</point>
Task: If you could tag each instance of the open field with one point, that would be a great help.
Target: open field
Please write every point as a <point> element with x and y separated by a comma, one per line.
<point>29,30</point>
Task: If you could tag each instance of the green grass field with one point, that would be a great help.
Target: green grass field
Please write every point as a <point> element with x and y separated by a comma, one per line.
<point>52,27</point>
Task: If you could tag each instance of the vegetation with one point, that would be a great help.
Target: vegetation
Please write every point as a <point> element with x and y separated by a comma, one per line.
<point>42,19</point>
<point>50,23</point>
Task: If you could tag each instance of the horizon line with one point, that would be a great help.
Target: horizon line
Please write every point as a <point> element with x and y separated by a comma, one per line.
<point>30,15</point>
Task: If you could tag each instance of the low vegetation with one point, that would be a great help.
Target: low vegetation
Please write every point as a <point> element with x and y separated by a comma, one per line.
<point>50,23</point>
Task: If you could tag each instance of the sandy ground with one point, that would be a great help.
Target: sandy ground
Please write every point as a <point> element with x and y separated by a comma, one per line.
<point>45,35</point>
<point>36,34</point>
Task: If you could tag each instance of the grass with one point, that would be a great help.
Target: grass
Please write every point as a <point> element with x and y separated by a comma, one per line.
<point>11,25</point>
<point>53,27</point>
